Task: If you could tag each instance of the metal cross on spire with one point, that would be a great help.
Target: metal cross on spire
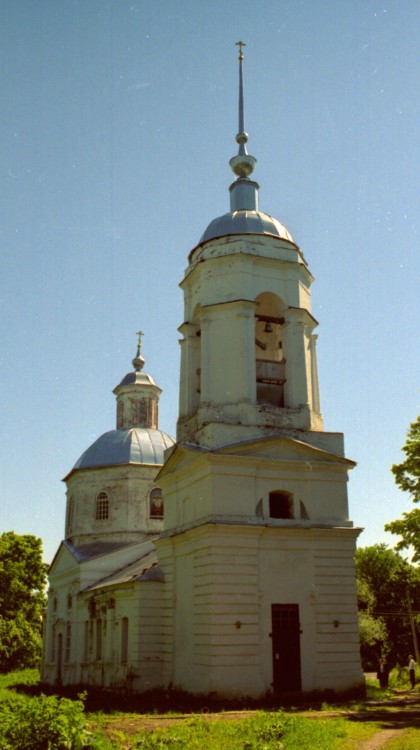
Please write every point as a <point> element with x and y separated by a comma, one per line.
<point>240,45</point>
<point>139,334</point>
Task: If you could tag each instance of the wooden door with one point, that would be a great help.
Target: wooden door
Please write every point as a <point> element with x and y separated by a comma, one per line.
<point>286,648</point>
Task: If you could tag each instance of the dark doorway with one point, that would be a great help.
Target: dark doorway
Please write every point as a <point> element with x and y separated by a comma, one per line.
<point>286,648</point>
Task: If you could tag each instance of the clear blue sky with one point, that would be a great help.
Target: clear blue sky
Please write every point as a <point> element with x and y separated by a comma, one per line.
<point>119,118</point>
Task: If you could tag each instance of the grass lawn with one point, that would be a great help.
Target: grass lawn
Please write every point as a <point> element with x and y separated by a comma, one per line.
<point>330,729</point>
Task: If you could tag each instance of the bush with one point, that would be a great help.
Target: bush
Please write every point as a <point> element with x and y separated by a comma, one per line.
<point>44,723</point>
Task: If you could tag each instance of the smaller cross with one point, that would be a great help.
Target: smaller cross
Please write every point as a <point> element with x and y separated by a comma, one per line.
<point>139,334</point>
<point>240,45</point>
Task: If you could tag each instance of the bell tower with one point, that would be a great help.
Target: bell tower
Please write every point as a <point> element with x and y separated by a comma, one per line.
<point>248,363</point>
<point>257,548</point>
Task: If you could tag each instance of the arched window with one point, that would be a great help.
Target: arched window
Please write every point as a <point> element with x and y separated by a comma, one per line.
<point>69,519</point>
<point>139,410</point>
<point>69,601</point>
<point>124,640</point>
<point>102,506</point>
<point>269,350</point>
<point>280,504</point>
<point>156,503</point>
<point>120,415</point>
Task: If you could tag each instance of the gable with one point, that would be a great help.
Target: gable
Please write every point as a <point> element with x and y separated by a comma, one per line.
<point>273,448</point>
<point>285,448</point>
<point>63,560</point>
<point>181,457</point>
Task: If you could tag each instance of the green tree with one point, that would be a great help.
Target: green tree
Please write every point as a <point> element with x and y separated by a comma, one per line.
<point>385,580</point>
<point>22,600</point>
<point>407,477</point>
<point>372,630</point>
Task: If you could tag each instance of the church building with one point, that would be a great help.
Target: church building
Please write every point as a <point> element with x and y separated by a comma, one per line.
<point>223,562</point>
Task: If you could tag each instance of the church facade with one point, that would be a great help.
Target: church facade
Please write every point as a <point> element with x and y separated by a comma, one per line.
<point>222,563</point>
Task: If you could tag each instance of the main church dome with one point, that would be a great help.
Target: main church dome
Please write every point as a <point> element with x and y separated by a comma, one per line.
<point>137,445</point>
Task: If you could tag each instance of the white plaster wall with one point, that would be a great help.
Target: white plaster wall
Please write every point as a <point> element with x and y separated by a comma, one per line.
<point>64,580</point>
<point>245,277</point>
<point>230,577</point>
<point>223,485</point>
<point>128,488</point>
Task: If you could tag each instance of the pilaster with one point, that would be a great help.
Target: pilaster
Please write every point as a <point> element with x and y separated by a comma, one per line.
<point>298,328</point>
<point>227,353</point>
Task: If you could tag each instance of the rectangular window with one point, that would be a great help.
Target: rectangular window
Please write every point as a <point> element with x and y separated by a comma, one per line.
<point>124,640</point>
<point>53,643</point>
<point>102,507</point>
<point>68,642</point>
<point>86,642</point>
<point>98,639</point>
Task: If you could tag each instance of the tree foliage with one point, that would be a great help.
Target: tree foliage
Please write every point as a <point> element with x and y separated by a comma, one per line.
<point>22,600</point>
<point>384,582</point>
<point>407,477</point>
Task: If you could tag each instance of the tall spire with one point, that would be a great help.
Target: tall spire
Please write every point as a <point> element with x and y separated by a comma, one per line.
<point>243,164</point>
<point>242,137</point>
<point>243,192</point>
